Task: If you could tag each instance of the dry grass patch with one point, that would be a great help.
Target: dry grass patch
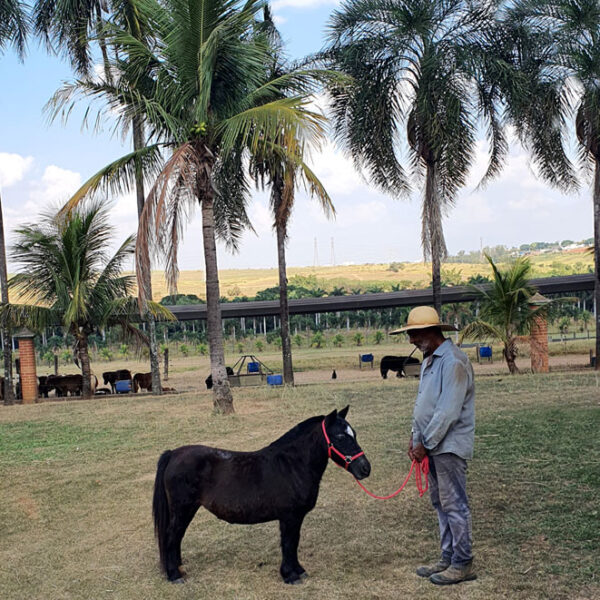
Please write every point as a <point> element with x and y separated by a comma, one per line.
<point>76,484</point>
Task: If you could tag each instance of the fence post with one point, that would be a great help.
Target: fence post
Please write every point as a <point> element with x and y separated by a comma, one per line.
<point>56,364</point>
<point>166,369</point>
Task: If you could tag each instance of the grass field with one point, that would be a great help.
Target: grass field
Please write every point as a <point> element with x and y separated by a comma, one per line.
<point>76,483</point>
<point>247,282</point>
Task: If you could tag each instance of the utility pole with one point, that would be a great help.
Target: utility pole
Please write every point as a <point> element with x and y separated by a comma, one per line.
<point>332,254</point>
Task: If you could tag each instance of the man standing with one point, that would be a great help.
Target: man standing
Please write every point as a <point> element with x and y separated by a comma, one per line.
<point>443,429</point>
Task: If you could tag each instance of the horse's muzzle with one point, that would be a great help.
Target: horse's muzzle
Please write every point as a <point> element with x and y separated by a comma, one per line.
<point>360,468</point>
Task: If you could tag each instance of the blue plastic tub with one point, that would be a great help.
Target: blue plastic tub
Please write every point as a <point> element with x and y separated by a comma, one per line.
<point>123,386</point>
<point>275,379</point>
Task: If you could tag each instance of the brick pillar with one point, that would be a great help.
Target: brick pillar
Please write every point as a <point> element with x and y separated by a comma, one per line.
<point>539,344</point>
<point>29,381</point>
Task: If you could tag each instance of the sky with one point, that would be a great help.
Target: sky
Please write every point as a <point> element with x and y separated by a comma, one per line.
<point>42,164</point>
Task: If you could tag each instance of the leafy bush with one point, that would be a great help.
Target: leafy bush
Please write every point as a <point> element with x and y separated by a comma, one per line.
<point>358,338</point>
<point>202,349</point>
<point>260,345</point>
<point>338,340</point>
<point>379,336</point>
<point>298,340</point>
<point>106,353</point>
<point>318,340</point>
<point>184,349</point>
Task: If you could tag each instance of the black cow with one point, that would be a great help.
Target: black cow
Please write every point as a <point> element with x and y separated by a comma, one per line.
<point>111,377</point>
<point>396,363</point>
<point>66,384</point>
<point>209,382</point>
<point>43,387</point>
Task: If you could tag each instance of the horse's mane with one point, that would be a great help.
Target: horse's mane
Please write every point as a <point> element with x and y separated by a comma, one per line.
<point>296,432</point>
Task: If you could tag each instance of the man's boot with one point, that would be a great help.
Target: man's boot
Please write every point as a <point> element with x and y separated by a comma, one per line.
<point>429,570</point>
<point>454,575</point>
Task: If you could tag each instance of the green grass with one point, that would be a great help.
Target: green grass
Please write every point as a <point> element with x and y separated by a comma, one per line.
<point>76,484</point>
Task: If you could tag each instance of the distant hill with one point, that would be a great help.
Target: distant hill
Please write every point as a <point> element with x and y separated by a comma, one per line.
<point>362,278</point>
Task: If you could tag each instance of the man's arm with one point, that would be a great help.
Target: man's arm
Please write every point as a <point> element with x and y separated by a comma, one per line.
<point>455,380</point>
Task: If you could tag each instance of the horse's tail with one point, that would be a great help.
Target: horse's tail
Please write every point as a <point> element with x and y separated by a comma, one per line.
<point>160,506</point>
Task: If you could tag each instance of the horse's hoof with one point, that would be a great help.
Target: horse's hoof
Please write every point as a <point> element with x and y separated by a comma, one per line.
<point>178,580</point>
<point>304,575</point>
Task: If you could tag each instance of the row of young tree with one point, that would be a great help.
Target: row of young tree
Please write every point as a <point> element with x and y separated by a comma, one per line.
<point>213,105</point>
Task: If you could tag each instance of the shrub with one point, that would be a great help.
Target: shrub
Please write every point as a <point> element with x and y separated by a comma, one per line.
<point>338,340</point>
<point>202,349</point>
<point>298,340</point>
<point>358,338</point>
<point>318,340</point>
<point>260,345</point>
<point>184,349</point>
<point>379,336</point>
<point>106,353</point>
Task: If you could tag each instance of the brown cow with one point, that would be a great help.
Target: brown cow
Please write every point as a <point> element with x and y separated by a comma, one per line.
<point>143,381</point>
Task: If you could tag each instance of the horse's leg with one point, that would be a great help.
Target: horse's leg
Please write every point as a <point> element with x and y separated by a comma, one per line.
<point>181,517</point>
<point>291,570</point>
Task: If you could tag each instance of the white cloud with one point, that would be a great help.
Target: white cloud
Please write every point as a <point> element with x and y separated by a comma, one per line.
<point>55,187</point>
<point>13,168</point>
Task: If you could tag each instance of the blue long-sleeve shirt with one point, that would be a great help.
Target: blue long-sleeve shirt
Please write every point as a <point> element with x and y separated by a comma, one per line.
<point>444,413</point>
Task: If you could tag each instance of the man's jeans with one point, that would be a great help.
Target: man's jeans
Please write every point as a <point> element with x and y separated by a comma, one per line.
<point>448,489</point>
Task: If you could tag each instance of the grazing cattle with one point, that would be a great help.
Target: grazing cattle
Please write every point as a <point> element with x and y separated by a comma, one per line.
<point>111,377</point>
<point>43,387</point>
<point>142,381</point>
<point>396,363</point>
<point>208,381</point>
<point>66,384</point>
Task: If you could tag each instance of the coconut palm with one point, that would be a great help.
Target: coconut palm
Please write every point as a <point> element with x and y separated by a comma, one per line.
<point>66,277</point>
<point>421,77</point>
<point>505,311</point>
<point>210,106</point>
<point>554,45</point>
<point>281,174</point>
<point>73,27</point>
<point>14,27</point>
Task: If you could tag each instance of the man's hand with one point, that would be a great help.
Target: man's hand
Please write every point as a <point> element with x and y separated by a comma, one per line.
<point>418,452</point>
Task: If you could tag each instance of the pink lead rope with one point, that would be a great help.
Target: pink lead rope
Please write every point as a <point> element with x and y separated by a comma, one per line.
<point>420,468</point>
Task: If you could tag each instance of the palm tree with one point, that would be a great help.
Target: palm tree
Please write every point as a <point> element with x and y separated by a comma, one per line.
<point>505,311</point>
<point>421,76</point>
<point>67,278</point>
<point>14,27</point>
<point>282,175</point>
<point>209,107</point>
<point>555,47</point>
<point>73,27</point>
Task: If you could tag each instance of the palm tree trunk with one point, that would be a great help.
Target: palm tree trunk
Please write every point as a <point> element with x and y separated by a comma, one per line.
<point>9,395</point>
<point>510,355</point>
<point>222,397</point>
<point>84,360</point>
<point>432,236</point>
<point>138,143</point>
<point>597,257</point>
<point>284,313</point>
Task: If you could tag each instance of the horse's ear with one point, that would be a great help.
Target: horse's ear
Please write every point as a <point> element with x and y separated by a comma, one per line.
<point>330,418</point>
<point>342,414</point>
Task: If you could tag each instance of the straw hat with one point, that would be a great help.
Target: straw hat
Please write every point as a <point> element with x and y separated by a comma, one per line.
<point>422,317</point>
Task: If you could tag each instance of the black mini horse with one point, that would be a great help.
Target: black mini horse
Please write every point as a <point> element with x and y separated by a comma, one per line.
<point>278,483</point>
